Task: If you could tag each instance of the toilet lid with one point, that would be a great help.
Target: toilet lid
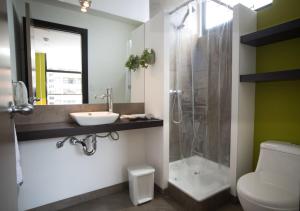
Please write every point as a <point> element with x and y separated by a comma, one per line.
<point>256,190</point>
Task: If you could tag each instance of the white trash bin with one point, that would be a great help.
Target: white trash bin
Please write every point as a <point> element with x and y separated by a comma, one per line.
<point>141,184</point>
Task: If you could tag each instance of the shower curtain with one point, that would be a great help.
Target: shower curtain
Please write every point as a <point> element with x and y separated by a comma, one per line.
<point>200,89</point>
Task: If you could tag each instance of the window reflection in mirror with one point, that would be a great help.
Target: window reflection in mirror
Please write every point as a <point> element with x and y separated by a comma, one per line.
<point>56,66</point>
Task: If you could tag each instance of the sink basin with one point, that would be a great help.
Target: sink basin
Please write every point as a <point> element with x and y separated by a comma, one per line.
<point>94,118</point>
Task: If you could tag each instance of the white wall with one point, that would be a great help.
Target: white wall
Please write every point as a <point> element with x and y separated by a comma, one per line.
<point>132,9</point>
<point>243,96</point>
<point>157,98</point>
<point>107,45</point>
<point>52,174</point>
<point>138,77</point>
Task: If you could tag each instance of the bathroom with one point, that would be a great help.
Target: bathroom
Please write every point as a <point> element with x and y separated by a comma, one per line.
<point>199,98</point>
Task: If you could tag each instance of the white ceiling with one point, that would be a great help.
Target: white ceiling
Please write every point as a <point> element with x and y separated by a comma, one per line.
<point>133,9</point>
<point>163,5</point>
<point>63,49</point>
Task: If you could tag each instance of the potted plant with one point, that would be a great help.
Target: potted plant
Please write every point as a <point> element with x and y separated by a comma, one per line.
<point>133,62</point>
<point>147,58</point>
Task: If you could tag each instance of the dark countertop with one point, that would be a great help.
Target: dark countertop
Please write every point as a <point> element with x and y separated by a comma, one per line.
<point>53,130</point>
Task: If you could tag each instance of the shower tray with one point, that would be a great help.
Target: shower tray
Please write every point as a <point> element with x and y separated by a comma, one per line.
<point>198,177</point>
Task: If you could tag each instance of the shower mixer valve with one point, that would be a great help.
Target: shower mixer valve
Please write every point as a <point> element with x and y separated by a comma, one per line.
<point>175,91</point>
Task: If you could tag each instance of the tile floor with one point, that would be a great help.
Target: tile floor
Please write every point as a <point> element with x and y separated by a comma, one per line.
<point>121,202</point>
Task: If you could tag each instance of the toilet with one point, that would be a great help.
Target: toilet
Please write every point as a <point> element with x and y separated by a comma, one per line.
<point>275,184</point>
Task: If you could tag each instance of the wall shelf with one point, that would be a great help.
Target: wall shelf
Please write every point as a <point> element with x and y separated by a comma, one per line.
<point>272,76</point>
<point>281,32</point>
<point>54,130</point>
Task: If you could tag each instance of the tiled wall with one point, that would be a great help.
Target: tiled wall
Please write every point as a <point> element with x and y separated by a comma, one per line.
<point>206,75</point>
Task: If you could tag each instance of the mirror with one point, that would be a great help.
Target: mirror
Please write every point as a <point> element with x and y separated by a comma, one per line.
<point>76,56</point>
<point>59,63</point>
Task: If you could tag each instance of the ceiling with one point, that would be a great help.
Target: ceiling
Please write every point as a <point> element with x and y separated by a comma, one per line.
<point>163,5</point>
<point>133,9</point>
<point>63,49</point>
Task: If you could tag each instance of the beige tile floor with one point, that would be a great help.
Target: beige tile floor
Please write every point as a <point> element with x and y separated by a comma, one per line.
<point>121,202</point>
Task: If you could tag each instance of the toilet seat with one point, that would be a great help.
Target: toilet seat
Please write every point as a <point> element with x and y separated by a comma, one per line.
<point>254,189</point>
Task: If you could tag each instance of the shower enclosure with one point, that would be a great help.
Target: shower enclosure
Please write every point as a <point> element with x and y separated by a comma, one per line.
<point>200,101</point>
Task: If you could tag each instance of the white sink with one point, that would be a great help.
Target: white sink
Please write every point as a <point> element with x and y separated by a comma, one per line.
<point>94,118</point>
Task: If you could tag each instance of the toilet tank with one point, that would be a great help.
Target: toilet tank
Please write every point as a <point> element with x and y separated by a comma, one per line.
<point>280,161</point>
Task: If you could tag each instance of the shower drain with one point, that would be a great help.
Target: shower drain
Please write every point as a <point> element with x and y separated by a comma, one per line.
<point>196,172</point>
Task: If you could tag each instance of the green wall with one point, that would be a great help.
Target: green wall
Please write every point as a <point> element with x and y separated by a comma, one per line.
<point>277,104</point>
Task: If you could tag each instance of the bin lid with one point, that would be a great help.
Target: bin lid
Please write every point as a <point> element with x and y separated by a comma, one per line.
<point>140,170</point>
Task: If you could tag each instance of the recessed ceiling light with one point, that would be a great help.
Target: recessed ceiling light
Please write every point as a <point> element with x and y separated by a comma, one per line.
<point>84,5</point>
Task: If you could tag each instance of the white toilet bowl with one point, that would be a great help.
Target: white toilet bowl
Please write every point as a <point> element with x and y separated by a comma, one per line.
<point>256,194</point>
<point>275,185</point>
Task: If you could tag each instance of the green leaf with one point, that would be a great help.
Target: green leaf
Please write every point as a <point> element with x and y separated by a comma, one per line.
<point>133,63</point>
<point>147,58</point>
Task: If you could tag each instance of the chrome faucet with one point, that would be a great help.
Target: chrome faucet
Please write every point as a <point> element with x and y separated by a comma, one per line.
<point>108,97</point>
